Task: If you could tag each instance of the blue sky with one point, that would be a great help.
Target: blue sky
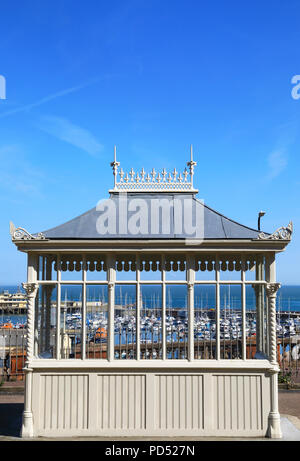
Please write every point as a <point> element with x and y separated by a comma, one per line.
<point>151,77</point>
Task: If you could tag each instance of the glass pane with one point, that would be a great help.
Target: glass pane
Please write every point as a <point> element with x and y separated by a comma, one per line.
<point>176,322</point>
<point>126,268</point>
<point>45,322</point>
<point>230,322</point>
<point>96,269</point>
<point>230,267</point>
<point>71,267</point>
<point>175,269</point>
<point>71,321</point>
<point>96,321</point>
<point>150,269</point>
<point>250,269</point>
<point>151,321</point>
<point>205,322</point>
<point>125,322</point>
<point>256,322</point>
<point>205,268</point>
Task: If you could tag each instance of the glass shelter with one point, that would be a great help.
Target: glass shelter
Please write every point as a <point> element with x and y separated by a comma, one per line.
<point>154,313</point>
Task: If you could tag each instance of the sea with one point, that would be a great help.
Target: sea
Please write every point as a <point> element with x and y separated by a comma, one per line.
<point>288,297</point>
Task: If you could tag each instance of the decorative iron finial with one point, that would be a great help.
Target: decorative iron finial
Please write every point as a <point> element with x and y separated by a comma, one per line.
<point>115,166</point>
<point>191,164</point>
<point>154,181</point>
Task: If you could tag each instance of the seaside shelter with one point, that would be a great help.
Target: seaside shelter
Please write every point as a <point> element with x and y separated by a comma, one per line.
<point>151,315</point>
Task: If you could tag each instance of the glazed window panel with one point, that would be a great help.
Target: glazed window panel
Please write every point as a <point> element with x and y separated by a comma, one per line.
<point>231,322</point>
<point>230,267</point>
<point>205,322</point>
<point>71,321</point>
<point>253,268</point>
<point>96,321</point>
<point>176,322</point>
<point>150,268</point>
<point>125,322</point>
<point>96,268</point>
<point>205,267</point>
<point>46,322</point>
<point>256,322</point>
<point>71,268</point>
<point>151,322</point>
<point>175,268</point>
<point>126,268</point>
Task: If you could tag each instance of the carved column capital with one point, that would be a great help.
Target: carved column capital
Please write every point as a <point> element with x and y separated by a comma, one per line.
<point>271,289</point>
<point>31,289</point>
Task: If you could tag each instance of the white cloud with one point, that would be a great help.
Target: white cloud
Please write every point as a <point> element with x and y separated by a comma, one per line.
<point>46,99</point>
<point>18,176</point>
<point>66,131</point>
<point>277,162</point>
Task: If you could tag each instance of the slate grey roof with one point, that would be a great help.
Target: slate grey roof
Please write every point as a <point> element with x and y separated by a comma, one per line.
<point>161,216</point>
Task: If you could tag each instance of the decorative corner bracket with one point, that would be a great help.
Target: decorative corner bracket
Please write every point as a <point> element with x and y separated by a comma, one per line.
<point>283,233</point>
<point>22,234</point>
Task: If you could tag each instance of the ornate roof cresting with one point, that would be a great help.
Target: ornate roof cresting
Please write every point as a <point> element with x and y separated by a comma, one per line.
<point>161,181</point>
<point>283,233</point>
<point>22,234</point>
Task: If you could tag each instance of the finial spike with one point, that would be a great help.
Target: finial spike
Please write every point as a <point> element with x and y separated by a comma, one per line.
<point>115,165</point>
<point>191,152</point>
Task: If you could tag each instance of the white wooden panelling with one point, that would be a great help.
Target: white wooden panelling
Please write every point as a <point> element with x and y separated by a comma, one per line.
<point>63,402</point>
<point>179,402</point>
<point>237,403</point>
<point>153,402</point>
<point>121,401</point>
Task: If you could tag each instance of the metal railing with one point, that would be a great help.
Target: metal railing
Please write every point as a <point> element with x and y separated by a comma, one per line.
<point>12,353</point>
<point>13,344</point>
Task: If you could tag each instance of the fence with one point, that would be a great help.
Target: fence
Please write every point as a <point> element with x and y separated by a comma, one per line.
<point>13,351</point>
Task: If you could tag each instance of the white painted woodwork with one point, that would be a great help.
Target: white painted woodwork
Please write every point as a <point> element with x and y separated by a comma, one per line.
<point>147,402</point>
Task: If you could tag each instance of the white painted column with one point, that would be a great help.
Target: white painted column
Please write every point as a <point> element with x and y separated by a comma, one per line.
<point>274,430</point>
<point>244,341</point>
<point>83,309</point>
<point>111,279</point>
<point>190,277</point>
<point>163,323</point>
<point>59,337</point>
<point>31,288</point>
<point>138,309</point>
<point>217,265</point>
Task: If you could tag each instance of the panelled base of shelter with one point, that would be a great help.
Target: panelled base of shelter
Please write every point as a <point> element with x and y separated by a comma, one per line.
<point>155,402</point>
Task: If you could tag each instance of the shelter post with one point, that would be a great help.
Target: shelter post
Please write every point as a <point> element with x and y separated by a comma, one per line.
<point>274,430</point>
<point>31,288</point>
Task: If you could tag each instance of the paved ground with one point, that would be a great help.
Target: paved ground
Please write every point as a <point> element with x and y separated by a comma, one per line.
<point>12,400</point>
<point>289,402</point>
